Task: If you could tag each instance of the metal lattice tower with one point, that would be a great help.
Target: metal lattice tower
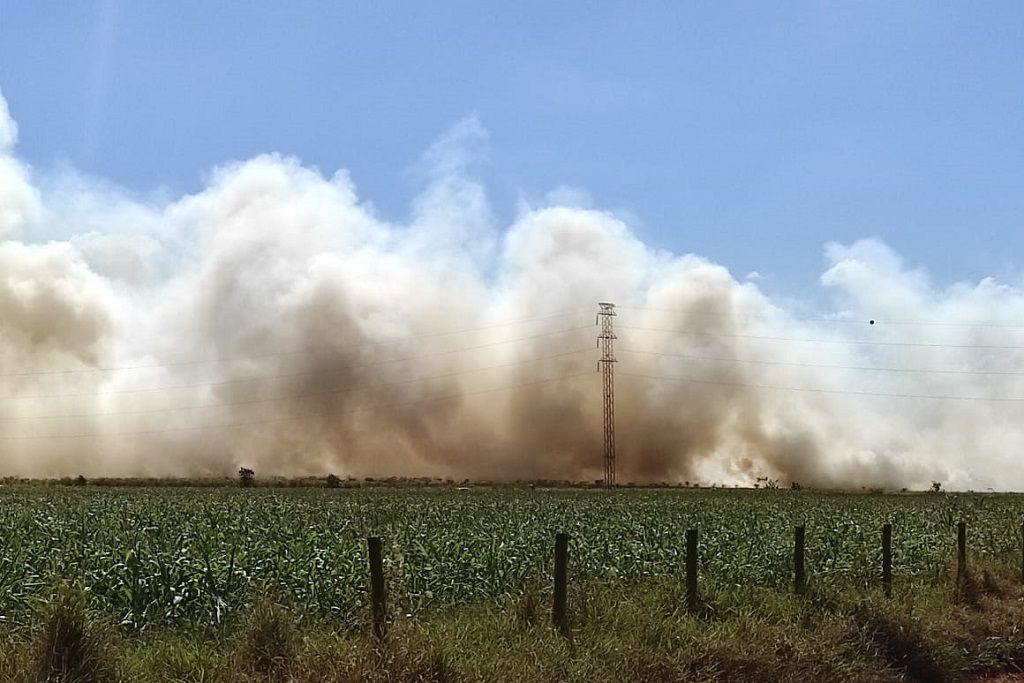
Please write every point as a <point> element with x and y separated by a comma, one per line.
<point>606,342</point>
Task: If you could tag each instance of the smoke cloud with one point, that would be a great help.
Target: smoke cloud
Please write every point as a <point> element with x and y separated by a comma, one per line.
<point>274,320</point>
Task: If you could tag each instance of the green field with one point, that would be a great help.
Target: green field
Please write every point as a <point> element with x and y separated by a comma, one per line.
<point>169,562</point>
<point>170,557</point>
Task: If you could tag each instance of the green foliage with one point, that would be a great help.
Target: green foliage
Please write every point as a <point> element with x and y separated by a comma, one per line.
<point>620,633</point>
<point>269,642</point>
<point>71,647</point>
<point>162,558</point>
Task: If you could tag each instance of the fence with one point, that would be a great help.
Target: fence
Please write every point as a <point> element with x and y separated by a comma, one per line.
<point>560,587</point>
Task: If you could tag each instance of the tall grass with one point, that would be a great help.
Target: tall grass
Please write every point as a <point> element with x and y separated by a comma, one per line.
<point>71,647</point>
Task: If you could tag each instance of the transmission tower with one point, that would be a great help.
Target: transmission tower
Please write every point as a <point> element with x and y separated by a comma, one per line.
<point>606,342</point>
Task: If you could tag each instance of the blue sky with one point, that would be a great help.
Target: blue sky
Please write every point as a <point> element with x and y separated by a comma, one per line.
<point>750,133</point>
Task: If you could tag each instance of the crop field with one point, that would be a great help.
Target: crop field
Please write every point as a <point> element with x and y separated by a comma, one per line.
<point>179,558</point>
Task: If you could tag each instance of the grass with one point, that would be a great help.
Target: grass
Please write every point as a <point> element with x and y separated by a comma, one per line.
<point>927,633</point>
<point>180,558</point>
<point>266,585</point>
<point>269,644</point>
<point>69,646</point>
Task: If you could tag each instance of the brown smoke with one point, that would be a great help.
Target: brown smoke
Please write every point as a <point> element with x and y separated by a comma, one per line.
<point>272,320</point>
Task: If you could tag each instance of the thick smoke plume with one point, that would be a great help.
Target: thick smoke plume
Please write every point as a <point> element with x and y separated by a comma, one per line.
<point>274,320</point>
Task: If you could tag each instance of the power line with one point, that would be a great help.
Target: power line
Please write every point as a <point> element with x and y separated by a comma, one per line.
<point>827,366</point>
<point>260,378</point>
<point>850,342</point>
<point>255,423</point>
<point>288,397</point>
<point>815,390</point>
<point>282,353</point>
<point>829,319</point>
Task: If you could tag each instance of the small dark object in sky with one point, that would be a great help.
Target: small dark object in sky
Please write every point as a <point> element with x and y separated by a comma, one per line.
<point>871,322</point>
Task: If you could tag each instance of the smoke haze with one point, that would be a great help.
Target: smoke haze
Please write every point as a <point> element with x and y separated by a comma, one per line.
<point>274,320</point>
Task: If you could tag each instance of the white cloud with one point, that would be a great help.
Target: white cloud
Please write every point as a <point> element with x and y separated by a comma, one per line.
<point>8,126</point>
<point>19,200</point>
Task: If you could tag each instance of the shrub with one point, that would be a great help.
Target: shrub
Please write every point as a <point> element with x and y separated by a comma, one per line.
<point>333,481</point>
<point>270,642</point>
<point>246,477</point>
<point>71,648</point>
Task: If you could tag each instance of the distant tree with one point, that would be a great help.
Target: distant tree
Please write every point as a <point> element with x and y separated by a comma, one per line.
<point>246,477</point>
<point>936,486</point>
<point>796,486</point>
<point>80,480</point>
<point>333,481</point>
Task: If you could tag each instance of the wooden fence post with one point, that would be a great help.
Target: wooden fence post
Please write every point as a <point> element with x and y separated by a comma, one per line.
<point>961,551</point>
<point>691,568</point>
<point>799,576</point>
<point>559,610</point>
<point>377,596</point>
<point>887,560</point>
